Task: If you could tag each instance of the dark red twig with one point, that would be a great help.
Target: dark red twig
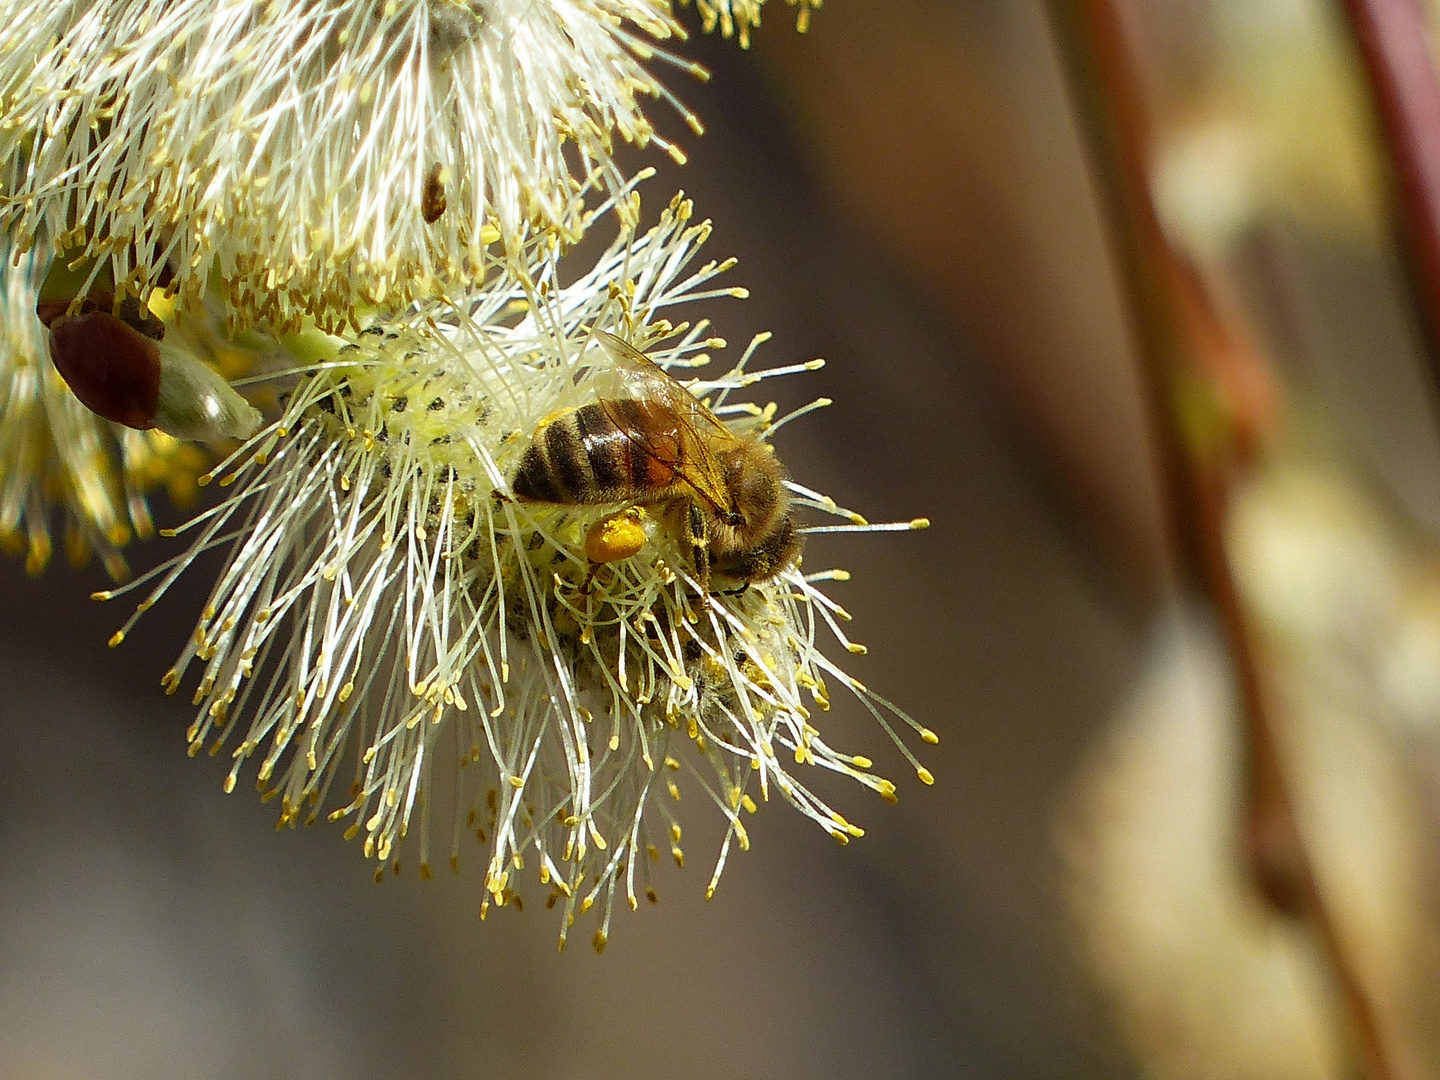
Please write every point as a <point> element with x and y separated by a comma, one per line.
<point>1394,41</point>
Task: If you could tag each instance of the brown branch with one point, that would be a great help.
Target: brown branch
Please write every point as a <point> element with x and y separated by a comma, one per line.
<point>1180,330</point>
<point>1394,38</point>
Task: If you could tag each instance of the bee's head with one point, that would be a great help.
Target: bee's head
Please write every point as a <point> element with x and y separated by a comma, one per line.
<point>771,554</point>
<point>760,540</point>
<point>755,482</point>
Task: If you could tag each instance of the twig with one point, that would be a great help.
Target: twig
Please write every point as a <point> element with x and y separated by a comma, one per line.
<point>1394,41</point>
<point>1175,317</point>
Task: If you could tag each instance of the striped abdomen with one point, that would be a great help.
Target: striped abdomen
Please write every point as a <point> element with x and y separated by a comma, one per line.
<point>614,450</point>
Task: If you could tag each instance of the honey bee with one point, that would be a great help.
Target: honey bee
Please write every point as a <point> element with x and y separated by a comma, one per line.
<point>653,444</point>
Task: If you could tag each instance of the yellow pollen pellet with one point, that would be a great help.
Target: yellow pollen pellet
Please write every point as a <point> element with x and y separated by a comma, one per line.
<point>616,537</point>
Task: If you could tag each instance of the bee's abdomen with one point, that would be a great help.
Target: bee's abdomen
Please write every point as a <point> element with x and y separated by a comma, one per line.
<point>586,456</point>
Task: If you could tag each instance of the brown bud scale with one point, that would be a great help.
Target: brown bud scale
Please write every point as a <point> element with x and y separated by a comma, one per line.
<point>113,369</point>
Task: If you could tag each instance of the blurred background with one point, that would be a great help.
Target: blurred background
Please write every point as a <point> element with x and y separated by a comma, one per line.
<point>920,192</point>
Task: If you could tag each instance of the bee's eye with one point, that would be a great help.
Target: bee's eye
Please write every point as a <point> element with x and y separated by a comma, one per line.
<point>758,493</point>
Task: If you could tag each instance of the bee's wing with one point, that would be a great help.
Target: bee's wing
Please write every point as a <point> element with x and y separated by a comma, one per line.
<point>699,428</point>
<point>641,377</point>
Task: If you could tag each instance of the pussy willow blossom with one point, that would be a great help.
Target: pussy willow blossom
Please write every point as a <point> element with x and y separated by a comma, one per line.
<point>54,450</point>
<point>309,156</point>
<point>387,612</point>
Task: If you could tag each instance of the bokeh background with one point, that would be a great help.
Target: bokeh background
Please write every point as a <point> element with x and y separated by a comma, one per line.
<point>911,195</point>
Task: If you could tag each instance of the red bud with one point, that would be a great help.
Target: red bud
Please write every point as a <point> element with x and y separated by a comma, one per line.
<point>113,369</point>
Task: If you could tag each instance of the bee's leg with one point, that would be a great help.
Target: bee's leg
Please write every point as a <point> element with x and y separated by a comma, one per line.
<point>700,545</point>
